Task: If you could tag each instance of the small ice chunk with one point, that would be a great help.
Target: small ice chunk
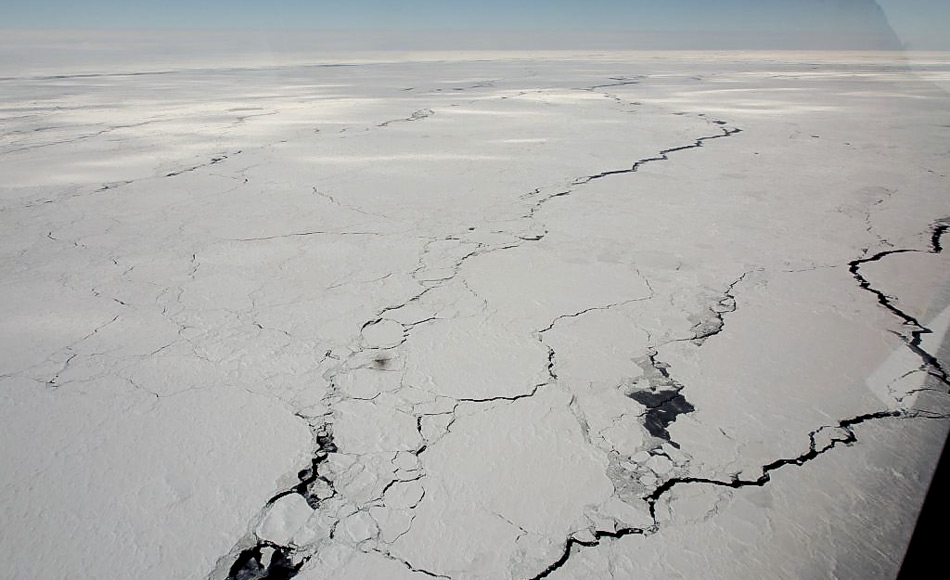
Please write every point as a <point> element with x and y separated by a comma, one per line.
<point>640,457</point>
<point>660,465</point>
<point>320,489</point>
<point>405,460</point>
<point>286,516</point>
<point>585,536</point>
<point>404,495</point>
<point>392,523</point>
<point>359,527</point>
<point>267,553</point>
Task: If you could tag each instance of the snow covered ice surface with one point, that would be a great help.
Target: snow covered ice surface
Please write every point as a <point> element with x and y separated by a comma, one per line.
<point>655,315</point>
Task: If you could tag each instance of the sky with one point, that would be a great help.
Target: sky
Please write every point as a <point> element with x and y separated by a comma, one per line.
<point>920,24</point>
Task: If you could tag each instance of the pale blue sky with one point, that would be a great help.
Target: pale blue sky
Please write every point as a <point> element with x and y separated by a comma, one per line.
<point>918,23</point>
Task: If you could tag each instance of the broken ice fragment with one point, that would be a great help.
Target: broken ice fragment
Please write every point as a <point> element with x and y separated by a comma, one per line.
<point>287,515</point>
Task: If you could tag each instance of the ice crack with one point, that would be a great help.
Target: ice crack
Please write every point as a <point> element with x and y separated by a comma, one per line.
<point>663,155</point>
<point>415,116</point>
<point>917,330</point>
<point>844,435</point>
<point>214,161</point>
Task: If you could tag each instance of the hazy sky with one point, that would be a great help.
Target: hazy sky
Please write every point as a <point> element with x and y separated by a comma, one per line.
<point>918,23</point>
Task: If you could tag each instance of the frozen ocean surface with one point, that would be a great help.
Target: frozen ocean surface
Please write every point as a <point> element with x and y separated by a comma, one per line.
<point>473,316</point>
